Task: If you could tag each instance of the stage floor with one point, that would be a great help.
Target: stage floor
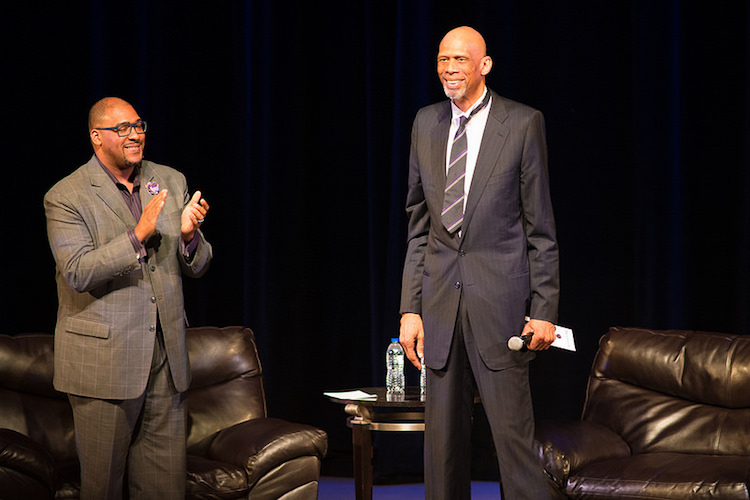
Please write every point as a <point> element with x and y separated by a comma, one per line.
<point>342,488</point>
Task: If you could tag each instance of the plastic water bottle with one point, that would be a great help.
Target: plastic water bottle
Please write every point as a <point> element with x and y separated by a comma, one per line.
<point>394,379</point>
<point>422,380</point>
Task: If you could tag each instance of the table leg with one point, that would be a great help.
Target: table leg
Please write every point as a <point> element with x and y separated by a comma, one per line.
<point>362,443</point>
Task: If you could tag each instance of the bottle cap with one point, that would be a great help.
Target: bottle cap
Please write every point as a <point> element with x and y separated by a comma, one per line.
<point>394,340</point>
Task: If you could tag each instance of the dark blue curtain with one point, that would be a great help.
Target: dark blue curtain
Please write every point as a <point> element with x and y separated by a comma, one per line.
<point>294,119</point>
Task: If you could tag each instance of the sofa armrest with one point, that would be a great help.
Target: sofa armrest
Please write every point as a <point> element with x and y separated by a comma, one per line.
<point>566,446</point>
<point>18,452</point>
<point>261,444</point>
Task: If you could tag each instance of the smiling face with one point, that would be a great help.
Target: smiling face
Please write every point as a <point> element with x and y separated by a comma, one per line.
<point>119,154</point>
<point>462,64</point>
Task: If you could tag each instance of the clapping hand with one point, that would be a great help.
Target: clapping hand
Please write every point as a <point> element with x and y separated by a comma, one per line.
<point>193,216</point>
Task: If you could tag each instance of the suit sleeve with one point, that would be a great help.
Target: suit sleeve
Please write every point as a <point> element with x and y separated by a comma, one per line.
<point>418,230</point>
<point>539,223</point>
<point>83,265</point>
<point>195,265</point>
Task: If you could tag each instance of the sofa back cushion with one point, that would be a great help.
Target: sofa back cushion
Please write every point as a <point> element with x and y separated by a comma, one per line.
<point>227,381</point>
<point>673,390</point>
<point>29,404</point>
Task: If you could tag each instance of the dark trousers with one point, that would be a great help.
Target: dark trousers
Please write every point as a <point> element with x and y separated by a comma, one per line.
<point>506,398</point>
<point>146,436</point>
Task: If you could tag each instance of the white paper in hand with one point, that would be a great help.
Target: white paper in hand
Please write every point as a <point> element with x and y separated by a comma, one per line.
<point>564,338</point>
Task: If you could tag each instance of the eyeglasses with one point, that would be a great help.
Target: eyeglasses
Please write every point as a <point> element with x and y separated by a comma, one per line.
<point>124,129</point>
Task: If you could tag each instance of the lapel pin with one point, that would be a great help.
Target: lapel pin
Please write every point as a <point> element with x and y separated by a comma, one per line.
<point>153,188</point>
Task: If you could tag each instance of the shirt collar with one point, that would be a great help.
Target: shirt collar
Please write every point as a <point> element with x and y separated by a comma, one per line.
<point>457,113</point>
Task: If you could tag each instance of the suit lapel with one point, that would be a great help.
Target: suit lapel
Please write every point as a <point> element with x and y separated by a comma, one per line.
<point>493,140</point>
<point>439,149</point>
<point>108,192</point>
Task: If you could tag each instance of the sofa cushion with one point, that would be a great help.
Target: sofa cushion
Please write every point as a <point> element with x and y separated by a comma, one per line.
<point>227,382</point>
<point>663,476</point>
<point>18,486</point>
<point>20,453</point>
<point>208,479</point>
<point>652,422</point>
<point>262,444</point>
<point>703,367</point>
<point>29,402</point>
<point>26,364</point>
<point>565,446</point>
<point>673,390</point>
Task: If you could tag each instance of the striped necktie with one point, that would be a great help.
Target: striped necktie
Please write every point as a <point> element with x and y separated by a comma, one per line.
<point>453,200</point>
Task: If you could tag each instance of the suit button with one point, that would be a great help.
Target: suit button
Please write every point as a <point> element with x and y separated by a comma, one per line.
<point>461,253</point>
<point>457,285</point>
<point>152,328</point>
<point>153,268</point>
<point>153,300</point>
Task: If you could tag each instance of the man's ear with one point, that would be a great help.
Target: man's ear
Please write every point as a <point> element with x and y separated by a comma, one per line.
<point>486,65</point>
<point>95,137</point>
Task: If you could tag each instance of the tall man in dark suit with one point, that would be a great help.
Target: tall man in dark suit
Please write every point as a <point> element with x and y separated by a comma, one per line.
<point>123,231</point>
<point>470,281</point>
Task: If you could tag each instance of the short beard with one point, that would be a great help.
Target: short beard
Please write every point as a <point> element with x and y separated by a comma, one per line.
<point>134,164</point>
<point>454,94</point>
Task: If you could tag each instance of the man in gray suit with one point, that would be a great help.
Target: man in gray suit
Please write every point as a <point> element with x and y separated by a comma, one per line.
<point>470,282</point>
<point>123,231</point>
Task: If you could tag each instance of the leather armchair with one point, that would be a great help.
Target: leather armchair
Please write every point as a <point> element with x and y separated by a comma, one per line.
<point>666,415</point>
<point>234,449</point>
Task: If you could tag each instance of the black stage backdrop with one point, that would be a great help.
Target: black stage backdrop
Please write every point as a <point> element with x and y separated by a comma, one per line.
<point>293,117</point>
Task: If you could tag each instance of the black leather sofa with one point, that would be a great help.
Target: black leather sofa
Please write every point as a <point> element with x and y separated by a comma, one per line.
<point>666,415</point>
<point>234,449</point>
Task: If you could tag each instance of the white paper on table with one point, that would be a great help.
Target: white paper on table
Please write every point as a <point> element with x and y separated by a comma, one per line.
<point>358,395</point>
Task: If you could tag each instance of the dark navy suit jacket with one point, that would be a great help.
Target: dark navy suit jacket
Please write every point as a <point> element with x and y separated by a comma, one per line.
<point>505,264</point>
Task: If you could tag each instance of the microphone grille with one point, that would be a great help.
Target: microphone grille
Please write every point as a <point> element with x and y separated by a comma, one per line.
<point>515,343</point>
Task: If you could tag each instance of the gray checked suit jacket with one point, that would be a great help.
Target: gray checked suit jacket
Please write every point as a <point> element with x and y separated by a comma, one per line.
<point>109,302</point>
<point>505,265</point>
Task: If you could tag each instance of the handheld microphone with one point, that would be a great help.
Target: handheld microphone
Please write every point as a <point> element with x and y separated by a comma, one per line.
<point>520,343</point>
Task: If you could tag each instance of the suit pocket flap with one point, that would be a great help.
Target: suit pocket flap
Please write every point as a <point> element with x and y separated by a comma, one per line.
<point>87,327</point>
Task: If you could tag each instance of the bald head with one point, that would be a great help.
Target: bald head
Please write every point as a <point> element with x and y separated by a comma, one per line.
<point>469,37</point>
<point>103,109</point>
